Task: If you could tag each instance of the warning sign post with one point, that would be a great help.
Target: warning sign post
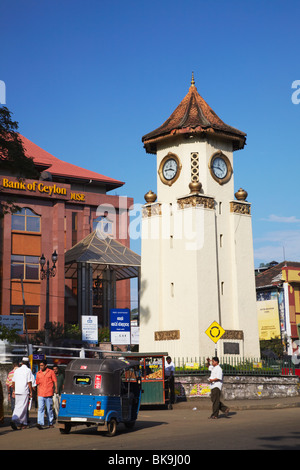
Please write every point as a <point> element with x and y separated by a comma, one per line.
<point>215,332</point>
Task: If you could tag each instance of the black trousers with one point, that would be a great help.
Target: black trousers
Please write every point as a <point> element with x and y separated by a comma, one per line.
<point>170,387</point>
<point>217,405</point>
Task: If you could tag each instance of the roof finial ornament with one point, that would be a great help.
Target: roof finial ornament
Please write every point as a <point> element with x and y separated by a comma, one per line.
<point>193,81</point>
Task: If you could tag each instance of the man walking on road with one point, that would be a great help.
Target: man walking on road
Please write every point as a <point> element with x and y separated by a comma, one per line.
<point>60,385</point>
<point>216,381</point>
<point>47,384</point>
<point>22,391</point>
<point>170,380</point>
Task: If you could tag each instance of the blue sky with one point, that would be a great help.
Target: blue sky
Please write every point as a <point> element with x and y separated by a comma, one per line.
<point>87,79</point>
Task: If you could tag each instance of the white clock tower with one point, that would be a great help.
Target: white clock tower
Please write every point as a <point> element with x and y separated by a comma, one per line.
<point>197,253</point>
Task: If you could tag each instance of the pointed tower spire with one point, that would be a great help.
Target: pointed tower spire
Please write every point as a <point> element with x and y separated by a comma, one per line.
<point>193,80</point>
<point>193,116</point>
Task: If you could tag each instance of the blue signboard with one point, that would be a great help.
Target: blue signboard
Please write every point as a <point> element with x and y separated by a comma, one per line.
<point>120,326</point>
<point>13,322</point>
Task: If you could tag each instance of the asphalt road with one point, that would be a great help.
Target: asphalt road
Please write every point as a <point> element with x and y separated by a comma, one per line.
<point>171,430</point>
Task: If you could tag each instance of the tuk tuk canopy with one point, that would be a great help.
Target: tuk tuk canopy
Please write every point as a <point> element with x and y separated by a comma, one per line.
<point>96,376</point>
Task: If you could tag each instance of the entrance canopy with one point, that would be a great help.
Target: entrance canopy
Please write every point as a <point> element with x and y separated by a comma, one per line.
<point>102,253</point>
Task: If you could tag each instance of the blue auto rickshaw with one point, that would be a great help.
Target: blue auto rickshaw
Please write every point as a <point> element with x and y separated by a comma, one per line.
<point>100,392</point>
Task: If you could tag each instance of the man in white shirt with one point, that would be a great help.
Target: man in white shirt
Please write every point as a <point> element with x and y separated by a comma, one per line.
<point>170,380</point>
<point>216,381</point>
<point>22,391</point>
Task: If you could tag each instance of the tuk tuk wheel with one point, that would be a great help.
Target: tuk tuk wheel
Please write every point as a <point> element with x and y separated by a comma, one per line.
<point>66,429</point>
<point>112,427</point>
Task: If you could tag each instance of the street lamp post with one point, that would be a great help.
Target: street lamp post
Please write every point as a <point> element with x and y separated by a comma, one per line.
<point>46,273</point>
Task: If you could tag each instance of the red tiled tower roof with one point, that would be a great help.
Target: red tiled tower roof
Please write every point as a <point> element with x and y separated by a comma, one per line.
<point>193,116</point>
<point>58,168</point>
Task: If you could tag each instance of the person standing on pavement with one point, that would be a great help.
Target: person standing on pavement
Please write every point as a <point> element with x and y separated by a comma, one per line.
<point>9,386</point>
<point>22,392</point>
<point>216,381</point>
<point>170,380</point>
<point>46,382</point>
<point>60,385</point>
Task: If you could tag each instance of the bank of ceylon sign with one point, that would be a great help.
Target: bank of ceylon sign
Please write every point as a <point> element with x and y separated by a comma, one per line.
<point>42,188</point>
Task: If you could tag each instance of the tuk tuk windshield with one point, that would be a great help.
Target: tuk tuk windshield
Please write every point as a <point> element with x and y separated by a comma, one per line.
<point>82,380</point>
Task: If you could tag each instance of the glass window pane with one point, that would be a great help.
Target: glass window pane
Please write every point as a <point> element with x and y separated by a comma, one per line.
<point>28,309</point>
<point>17,259</point>
<point>17,271</point>
<point>33,224</point>
<point>28,211</point>
<point>32,309</point>
<point>17,222</point>
<point>32,259</point>
<point>32,271</point>
<point>32,322</point>
<point>17,309</point>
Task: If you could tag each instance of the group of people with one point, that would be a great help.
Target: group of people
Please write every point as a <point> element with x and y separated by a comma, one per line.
<point>215,379</point>
<point>21,384</point>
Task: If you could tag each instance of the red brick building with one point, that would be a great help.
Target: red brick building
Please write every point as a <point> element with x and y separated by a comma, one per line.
<point>57,211</point>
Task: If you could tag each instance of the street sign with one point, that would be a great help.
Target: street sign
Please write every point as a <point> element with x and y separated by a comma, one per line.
<point>120,326</point>
<point>13,322</point>
<point>89,328</point>
<point>215,331</point>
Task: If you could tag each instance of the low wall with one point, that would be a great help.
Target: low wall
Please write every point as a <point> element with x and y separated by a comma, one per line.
<point>239,387</point>
<point>234,387</point>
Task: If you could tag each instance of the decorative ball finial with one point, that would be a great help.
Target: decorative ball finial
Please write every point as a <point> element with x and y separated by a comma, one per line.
<point>241,195</point>
<point>195,186</point>
<point>150,197</point>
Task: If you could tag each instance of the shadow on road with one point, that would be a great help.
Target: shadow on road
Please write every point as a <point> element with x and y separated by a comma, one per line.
<point>279,442</point>
<point>139,426</point>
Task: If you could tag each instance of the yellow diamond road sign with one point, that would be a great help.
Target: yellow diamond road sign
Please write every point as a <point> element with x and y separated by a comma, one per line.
<point>215,331</point>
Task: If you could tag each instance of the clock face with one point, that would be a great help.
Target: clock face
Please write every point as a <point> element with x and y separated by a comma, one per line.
<point>219,167</point>
<point>170,169</point>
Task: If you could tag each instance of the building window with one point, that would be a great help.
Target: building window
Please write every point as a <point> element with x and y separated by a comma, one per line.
<point>26,221</point>
<point>32,315</point>
<point>172,289</point>
<point>74,227</point>
<point>25,267</point>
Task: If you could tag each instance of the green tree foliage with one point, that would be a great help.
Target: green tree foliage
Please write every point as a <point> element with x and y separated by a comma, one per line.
<point>269,346</point>
<point>58,332</point>
<point>12,155</point>
<point>9,334</point>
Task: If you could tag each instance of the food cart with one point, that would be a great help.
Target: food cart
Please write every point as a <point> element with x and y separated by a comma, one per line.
<point>152,369</point>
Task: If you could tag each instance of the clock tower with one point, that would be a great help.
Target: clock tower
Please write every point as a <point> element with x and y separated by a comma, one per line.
<point>197,253</point>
